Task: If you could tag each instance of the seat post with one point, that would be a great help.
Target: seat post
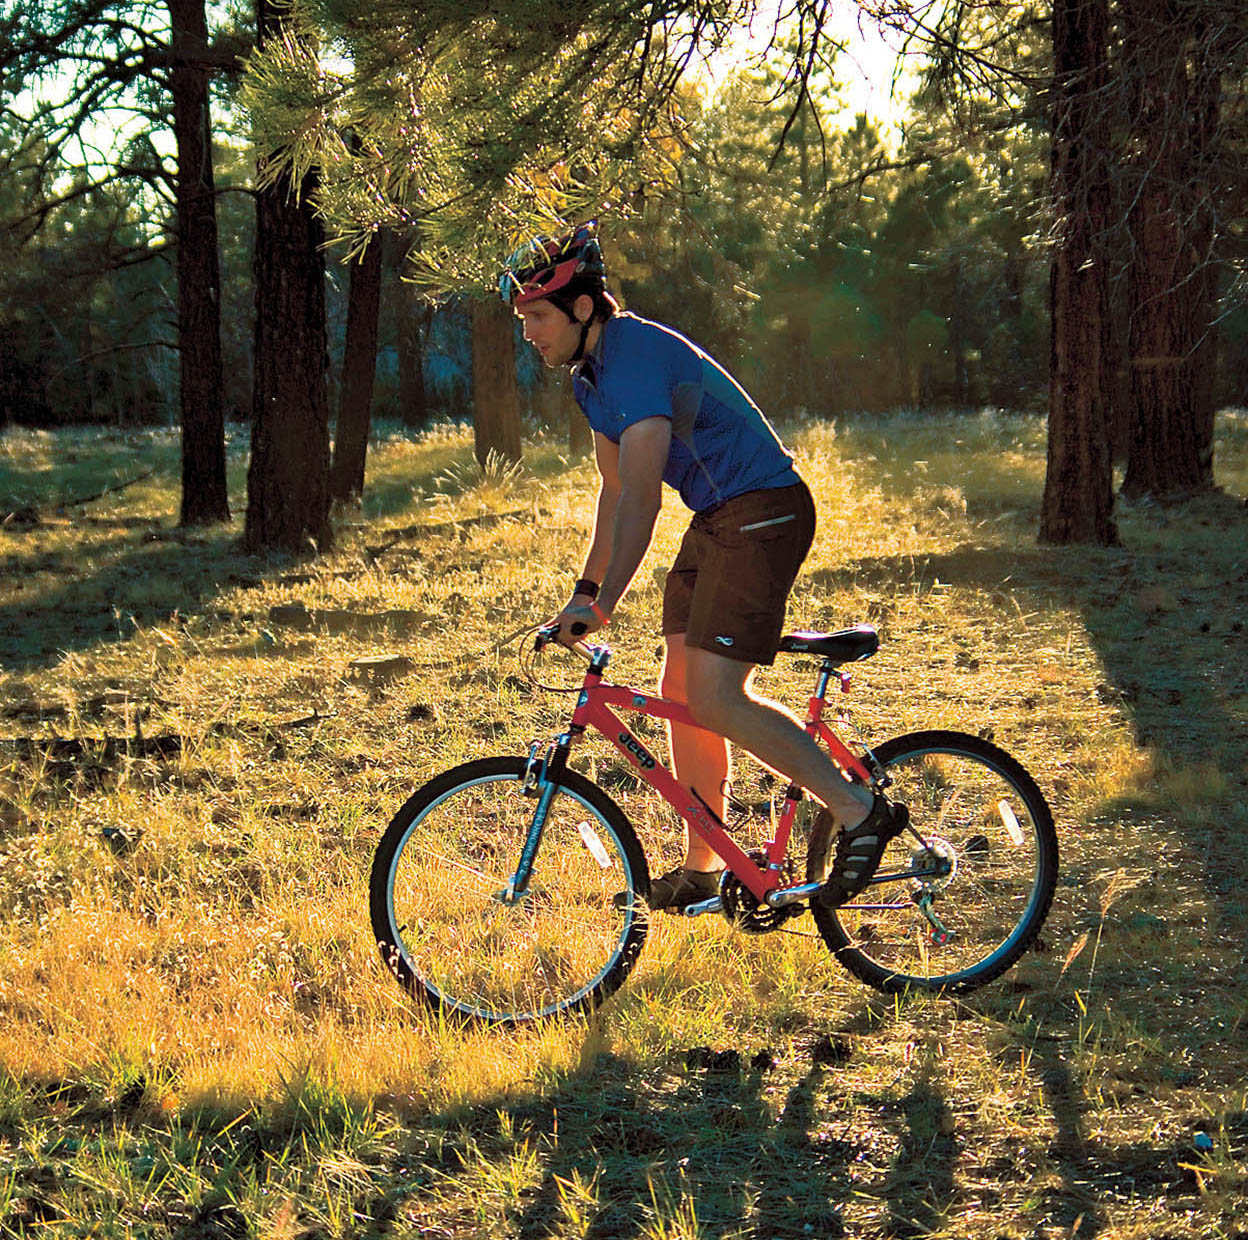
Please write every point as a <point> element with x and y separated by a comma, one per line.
<point>826,668</point>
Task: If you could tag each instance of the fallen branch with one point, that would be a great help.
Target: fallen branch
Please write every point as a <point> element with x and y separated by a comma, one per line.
<point>437,527</point>
<point>117,486</point>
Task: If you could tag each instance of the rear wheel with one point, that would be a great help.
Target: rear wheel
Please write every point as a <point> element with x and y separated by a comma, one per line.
<point>961,907</point>
<point>453,933</point>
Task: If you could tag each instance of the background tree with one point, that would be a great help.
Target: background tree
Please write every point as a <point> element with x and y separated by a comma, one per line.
<point>1175,57</point>
<point>288,479</point>
<point>359,367</point>
<point>205,496</point>
<point>414,314</point>
<point>495,398</point>
<point>143,67</point>
<point>1078,487</point>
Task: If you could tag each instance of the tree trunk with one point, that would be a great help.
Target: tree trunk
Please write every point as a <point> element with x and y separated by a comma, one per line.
<point>288,481</point>
<point>580,433</point>
<point>205,497</point>
<point>415,316</point>
<point>957,338</point>
<point>359,368</point>
<point>495,395</point>
<point>1078,489</point>
<point>1176,98</point>
<point>559,411</point>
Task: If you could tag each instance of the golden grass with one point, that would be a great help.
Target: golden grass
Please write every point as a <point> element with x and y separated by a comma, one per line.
<point>196,1032</point>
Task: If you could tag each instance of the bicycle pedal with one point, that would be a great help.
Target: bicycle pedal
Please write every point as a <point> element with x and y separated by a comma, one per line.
<point>713,905</point>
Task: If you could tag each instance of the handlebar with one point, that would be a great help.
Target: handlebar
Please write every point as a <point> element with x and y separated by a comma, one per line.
<point>550,632</point>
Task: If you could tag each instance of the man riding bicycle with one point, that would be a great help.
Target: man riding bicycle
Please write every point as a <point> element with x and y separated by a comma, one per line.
<point>662,410</point>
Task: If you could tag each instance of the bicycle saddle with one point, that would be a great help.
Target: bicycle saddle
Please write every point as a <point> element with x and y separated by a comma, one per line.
<point>843,646</point>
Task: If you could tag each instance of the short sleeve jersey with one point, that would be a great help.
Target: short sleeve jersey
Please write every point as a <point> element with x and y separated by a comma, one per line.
<point>722,445</point>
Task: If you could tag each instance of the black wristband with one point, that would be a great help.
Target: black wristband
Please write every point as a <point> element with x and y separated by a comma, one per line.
<point>585,586</point>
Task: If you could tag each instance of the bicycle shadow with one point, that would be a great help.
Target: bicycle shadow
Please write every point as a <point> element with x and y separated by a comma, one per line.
<point>719,1145</point>
<point>1081,1173</point>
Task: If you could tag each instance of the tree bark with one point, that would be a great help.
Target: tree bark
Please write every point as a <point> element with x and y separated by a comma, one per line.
<point>1077,506</point>
<point>205,497</point>
<point>359,368</point>
<point>558,410</point>
<point>1175,114</point>
<point>288,480</point>
<point>580,433</point>
<point>415,316</point>
<point>495,395</point>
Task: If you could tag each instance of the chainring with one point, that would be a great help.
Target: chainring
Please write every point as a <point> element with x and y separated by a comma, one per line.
<point>743,908</point>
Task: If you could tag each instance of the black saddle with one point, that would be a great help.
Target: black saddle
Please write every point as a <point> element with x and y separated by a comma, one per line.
<point>844,646</point>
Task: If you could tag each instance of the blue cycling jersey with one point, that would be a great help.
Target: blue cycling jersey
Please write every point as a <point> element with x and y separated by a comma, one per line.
<point>722,445</point>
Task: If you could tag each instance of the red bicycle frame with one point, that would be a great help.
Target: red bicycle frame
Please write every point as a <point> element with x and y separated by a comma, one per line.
<point>594,709</point>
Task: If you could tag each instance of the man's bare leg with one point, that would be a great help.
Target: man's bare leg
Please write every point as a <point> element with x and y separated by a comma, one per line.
<point>717,691</point>
<point>701,759</point>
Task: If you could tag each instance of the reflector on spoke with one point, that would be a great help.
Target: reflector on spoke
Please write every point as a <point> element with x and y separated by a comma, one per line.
<point>593,841</point>
<point>1010,819</point>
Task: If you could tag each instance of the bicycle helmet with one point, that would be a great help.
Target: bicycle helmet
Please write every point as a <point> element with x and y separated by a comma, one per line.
<point>567,264</point>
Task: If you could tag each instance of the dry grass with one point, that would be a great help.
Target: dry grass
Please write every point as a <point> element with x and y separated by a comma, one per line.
<point>198,1040</point>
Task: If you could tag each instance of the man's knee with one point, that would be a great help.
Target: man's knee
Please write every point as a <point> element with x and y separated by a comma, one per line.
<point>672,677</point>
<point>712,700</point>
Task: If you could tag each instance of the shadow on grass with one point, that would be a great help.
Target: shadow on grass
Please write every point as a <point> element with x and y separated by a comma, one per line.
<point>709,1145</point>
<point>130,581</point>
<point>1165,618</point>
<point>727,1149</point>
<point>693,1149</point>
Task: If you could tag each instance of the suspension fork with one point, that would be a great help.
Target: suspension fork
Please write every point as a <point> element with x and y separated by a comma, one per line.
<point>538,782</point>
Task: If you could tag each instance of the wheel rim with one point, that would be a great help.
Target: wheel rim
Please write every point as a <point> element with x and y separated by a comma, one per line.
<point>987,854</point>
<point>457,935</point>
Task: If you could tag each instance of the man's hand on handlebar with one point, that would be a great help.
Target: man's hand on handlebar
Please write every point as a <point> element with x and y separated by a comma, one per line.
<point>576,622</point>
<point>573,624</point>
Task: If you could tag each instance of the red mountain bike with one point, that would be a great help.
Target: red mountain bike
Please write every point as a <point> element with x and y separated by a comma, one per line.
<point>511,889</point>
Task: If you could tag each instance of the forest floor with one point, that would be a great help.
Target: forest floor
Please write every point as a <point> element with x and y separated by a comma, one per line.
<point>197,1038</point>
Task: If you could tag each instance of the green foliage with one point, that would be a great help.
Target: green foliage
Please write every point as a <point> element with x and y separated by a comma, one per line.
<point>837,273</point>
<point>469,127</point>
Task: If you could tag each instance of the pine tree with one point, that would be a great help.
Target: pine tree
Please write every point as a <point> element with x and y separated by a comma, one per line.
<point>153,61</point>
<point>288,480</point>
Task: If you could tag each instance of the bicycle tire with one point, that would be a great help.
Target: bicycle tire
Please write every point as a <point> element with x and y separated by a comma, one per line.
<point>989,814</point>
<point>437,896</point>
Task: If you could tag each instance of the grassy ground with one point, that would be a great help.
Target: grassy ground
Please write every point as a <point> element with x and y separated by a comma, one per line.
<point>198,1041</point>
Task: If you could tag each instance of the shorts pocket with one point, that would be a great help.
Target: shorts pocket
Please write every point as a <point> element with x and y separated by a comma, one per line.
<point>762,525</point>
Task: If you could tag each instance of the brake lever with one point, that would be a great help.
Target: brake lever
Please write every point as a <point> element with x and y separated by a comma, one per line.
<point>544,636</point>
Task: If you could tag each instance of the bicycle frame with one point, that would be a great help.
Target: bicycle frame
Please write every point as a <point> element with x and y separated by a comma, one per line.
<point>596,707</point>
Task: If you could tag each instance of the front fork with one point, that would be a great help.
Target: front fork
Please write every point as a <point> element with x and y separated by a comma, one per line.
<point>537,783</point>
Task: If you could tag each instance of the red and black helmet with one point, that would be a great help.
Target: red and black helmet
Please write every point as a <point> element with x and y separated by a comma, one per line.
<point>567,263</point>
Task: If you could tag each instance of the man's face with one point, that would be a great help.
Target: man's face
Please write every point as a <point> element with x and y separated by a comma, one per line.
<point>550,331</point>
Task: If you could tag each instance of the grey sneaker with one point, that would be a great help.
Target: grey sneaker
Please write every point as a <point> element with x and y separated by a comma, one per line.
<point>679,888</point>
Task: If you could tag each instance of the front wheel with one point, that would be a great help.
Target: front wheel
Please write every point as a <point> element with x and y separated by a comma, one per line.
<point>455,932</point>
<point>959,908</point>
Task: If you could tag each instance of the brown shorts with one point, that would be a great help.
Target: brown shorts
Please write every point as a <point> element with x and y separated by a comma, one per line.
<point>728,588</point>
